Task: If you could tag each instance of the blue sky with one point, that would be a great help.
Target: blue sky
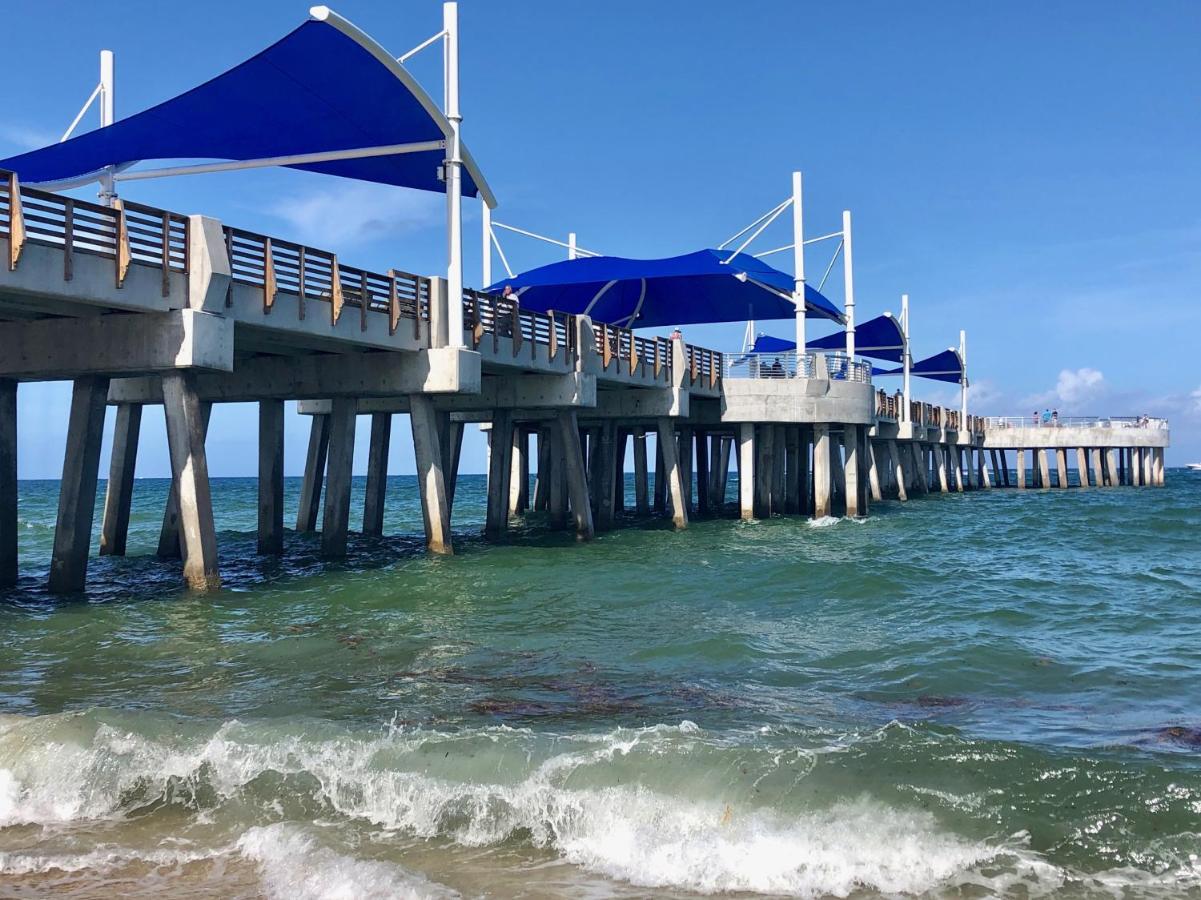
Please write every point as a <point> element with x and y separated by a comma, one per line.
<point>1028,172</point>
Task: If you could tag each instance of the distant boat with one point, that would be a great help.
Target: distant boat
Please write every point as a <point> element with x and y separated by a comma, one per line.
<point>1196,467</point>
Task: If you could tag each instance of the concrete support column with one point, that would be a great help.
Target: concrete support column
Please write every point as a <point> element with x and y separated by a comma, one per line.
<point>556,501</point>
<point>118,496</point>
<point>898,471</point>
<point>804,479</point>
<point>778,469</point>
<point>725,446</point>
<point>703,482</point>
<point>450,437</point>
<point>1159,466</point>
<point>170,544</point>
<point>1021,470</point>
<point>821,471</point>
<point>920,469</point>
<point>660,481</point>
<point>940,454</point>
<point>500,475</point>
<point>763,470</point>
<point>1044,470</point>
<point>838,472</point>
<point>314,475</point>
<point>187,427</point>
<point>792,470</point>
<point>431,457</point>
<point>985,479</point>
<point>1082,466</point>
<point>576,478</point>
<point>271,477</point>
<point>519,474</point>
<point>542,478</point>
<point>604,486</point>
<point>684,449</point>
<point>877,467</point>
<point>1061,466</point>
<point>675,473</point>
<point>8,483</point>
<point>746,471</point>
<point>377,474</point>
<point>77,493</point>
<point>335,522</point>
<point>715,441</point>
<point>641,485</point>
<point>854,472</point>
<point>1148,466</point>
<point>957,464</point>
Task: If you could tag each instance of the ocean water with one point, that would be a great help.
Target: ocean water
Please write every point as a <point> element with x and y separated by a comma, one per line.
<point>963,696</point>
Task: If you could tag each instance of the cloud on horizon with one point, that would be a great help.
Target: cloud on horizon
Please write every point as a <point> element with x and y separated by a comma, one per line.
<point>354,213</point>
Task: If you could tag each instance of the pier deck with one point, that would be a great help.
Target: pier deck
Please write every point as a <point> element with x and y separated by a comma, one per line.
<point>143,306</point>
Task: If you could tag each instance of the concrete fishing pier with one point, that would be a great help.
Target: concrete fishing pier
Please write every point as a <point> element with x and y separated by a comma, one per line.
<point>143,306</point>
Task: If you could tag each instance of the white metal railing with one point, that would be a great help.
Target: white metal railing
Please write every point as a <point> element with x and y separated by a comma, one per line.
<point>790,364</point>
<point>1057,421</point>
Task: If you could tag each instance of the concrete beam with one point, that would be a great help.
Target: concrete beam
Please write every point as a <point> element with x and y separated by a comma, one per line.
<point>447,370</point>
<point>54,349</point>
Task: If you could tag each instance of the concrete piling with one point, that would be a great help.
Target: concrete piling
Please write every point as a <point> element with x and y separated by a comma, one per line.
<point>500,474</point>
<point>77,492</point>
<point>8,483</point>
<point>821,471</point>
<point>186,432</point>
<point>271,477</point>
<point>170,543</point>
<point>335,522</point>
<point>314,475</point>
<point>377,474</point>
<point>577,482</point>
<point>118,496</point>
<point>674,472</point>
<point>432,470</point>
<point>641,485</point>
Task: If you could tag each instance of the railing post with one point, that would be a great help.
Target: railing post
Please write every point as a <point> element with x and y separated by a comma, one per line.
<point>554,335</point>
<point>335,290</point>
<point>363,300</point>
<point>301,290</point>
<point>268,276</point>
<point>166,258</point>
<point>229,255</point>
<point>16,222</point>
<point>394,303</point>
<point>634,359</point>
<point>121,250</point>
<point>69,239</point>
<point>515,326</point>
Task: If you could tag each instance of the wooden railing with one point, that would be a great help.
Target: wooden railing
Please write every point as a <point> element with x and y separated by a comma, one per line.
<point>704,366</point>
<point>310,274</point>
<point>126,233</point>
<point>888,406</point>
<point>634,355</point>
<point>489,314</point>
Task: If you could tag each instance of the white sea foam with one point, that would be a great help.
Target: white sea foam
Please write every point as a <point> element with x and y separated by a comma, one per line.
<point>824,522</point>
<point>294,866</point>
<point>626,804</point>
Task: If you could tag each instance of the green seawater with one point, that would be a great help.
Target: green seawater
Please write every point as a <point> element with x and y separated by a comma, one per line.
<point>995,693</point>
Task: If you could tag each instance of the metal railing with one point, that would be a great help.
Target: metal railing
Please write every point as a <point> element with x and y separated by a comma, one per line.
<point>787,364</point>
<point>841,367</point>
<point>1056,421</point>
<point>127,233</point>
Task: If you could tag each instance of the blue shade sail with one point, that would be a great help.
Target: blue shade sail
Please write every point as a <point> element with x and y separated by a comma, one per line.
<point>945,366</point>
<point>324,87</point>
<point>878,338</point>
<point>693,289</point>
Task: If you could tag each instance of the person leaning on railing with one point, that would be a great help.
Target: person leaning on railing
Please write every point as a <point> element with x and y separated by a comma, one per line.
<point>507,312</point>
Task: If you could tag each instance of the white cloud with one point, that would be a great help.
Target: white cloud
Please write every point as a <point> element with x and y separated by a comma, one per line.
<point>24,137</point>
<point>1195,397</point>
<point>1079,385</point>
<point>347,214</point>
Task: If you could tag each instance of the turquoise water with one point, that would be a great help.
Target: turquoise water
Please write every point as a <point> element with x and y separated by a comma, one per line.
<point>962,696</point>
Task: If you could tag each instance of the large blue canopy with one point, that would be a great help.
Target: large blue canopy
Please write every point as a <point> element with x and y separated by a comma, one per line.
<point>878,338</point>
<point>326,86</point>
<point>945,366</point>
<point>696,288</point>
